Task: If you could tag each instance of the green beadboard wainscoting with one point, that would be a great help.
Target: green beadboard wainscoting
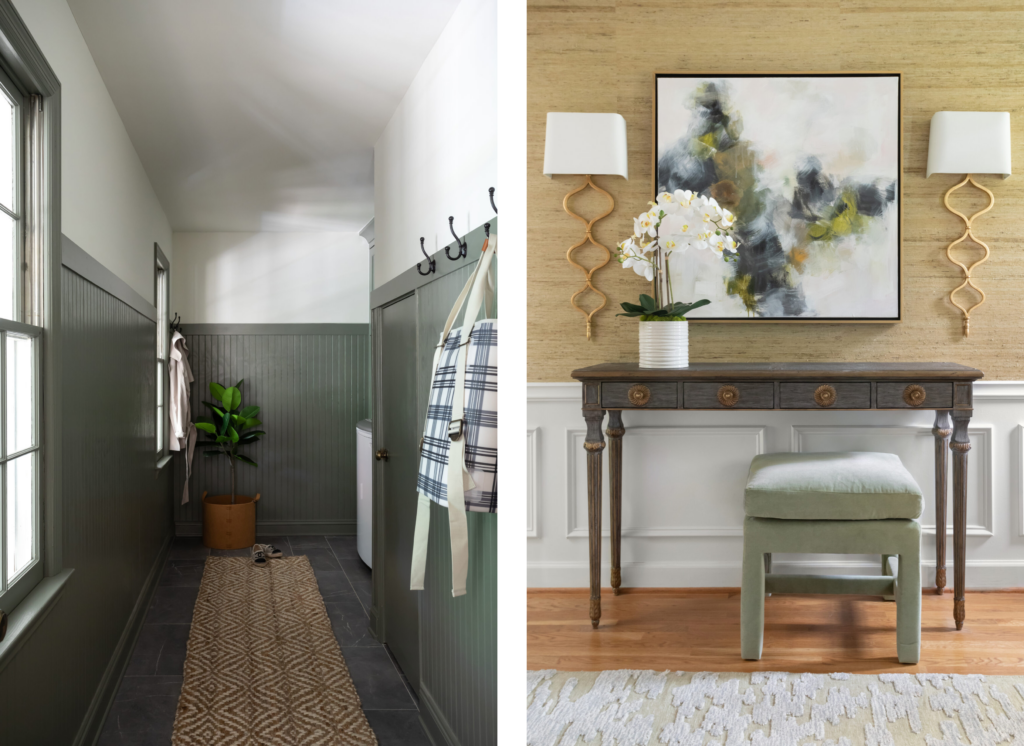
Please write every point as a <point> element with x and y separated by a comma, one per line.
<point>312,384</point>
<point>117,522</point>
<point>450,650</point>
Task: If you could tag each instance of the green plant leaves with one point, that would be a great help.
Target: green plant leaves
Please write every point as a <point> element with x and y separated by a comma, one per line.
<point>206,427</point>
<point>245,460</point>
<point>681,309</point>
<point>233,434</point>
<point>250,411</point>
<point>648,310</point>
<point>217,410</point>
<point>223,439</point>
<point>225,421</point>
<point>216,391</point>
<point>253,422</point>
<point>231,398</point>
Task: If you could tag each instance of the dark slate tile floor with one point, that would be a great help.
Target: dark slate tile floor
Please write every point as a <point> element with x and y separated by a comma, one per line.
<point>144,708</point>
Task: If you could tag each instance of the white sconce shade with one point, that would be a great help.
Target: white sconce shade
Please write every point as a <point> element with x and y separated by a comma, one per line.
<point>969,142</point>
<point>590,144</point>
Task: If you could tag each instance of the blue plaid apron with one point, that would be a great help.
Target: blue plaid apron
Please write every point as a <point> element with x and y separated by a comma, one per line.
<point>459,451</point>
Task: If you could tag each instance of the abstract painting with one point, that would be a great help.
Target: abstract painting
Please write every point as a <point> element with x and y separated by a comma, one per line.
<point>810,164</point>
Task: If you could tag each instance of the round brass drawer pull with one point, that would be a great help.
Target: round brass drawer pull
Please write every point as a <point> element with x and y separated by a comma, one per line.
<point>914,395</point>
<point>825,395</point>
<point>639,395</point>
<point>728,396</point>
<point>382,454</point>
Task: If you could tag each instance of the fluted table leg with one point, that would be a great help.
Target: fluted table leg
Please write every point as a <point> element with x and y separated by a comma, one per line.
<point>960,445</point>
<point>615,432</point>
<point>942,430</point>
<point>594,445</point>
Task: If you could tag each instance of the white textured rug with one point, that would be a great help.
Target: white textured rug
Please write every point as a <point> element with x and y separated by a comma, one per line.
<point>636,708</point>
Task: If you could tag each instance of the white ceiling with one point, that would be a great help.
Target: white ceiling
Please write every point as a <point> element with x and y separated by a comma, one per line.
<point>256,115</point>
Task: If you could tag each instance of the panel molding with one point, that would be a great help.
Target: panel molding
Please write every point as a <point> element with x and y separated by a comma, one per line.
<point>981,454</point>
<point>532,467</point>
<point>275,329</point>
<point>103,699</point>
<point>574,439</point>
<point>83,264</point>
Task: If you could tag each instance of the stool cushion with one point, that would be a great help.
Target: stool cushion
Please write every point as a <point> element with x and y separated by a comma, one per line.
<point>831,486</point>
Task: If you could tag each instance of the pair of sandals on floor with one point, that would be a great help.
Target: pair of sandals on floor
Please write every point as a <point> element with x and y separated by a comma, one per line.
<point>262,552</point>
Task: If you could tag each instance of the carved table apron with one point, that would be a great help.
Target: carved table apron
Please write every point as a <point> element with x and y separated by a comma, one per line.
<point>943,387</point>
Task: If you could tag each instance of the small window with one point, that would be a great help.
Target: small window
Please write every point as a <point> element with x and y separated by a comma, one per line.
<point>163,346</point>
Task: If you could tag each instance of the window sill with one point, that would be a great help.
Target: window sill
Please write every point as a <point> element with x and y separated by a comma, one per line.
<point>29,614</point>
<point>163,462</point>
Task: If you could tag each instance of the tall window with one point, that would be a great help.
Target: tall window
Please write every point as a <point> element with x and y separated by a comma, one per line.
<point>20,456</point>
<point>163,342</point>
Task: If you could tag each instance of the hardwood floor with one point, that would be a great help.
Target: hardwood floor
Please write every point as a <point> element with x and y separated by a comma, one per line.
<point>699,630</point>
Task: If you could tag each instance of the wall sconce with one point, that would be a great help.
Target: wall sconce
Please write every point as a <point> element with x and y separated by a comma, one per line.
<point>969,142</point>
<point>586,144</point>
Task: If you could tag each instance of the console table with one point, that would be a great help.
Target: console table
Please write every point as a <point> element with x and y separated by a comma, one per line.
<point>943,387</point>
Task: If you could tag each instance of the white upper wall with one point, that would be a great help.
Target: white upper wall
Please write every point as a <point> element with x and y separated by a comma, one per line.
<point>270,278</point>
<point>108,206</point>
<point>439,153</point>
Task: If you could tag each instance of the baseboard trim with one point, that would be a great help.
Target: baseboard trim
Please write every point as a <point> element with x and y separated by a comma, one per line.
<point>434,722</point>
<point>281,528</point>
<point>103,699</point>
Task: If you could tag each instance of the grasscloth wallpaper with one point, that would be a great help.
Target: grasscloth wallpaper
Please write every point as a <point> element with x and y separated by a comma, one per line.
<point>600,55</point>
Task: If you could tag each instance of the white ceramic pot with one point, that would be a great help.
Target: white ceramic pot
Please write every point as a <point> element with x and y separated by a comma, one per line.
<point>664,344</point>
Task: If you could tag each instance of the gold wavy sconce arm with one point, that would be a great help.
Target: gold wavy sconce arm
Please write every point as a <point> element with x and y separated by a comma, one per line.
<point>589,286</point>
<point>968,233</point>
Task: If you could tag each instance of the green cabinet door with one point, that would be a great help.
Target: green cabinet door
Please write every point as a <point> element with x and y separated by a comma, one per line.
<point>400,436</point>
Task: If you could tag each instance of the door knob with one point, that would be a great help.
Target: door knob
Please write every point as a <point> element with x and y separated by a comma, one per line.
<point>382,454</point>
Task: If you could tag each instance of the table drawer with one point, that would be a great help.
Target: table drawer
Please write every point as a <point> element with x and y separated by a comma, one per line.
<point>903,395</point>
<point>732,395</point>
<point>639,395</point>
<point>853,395</point>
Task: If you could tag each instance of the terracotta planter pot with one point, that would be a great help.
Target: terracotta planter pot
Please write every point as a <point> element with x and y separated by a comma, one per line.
<point>227,526</point>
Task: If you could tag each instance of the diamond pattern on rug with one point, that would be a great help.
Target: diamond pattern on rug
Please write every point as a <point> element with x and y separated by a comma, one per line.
<point>641,708</point>
<point>263,667</point>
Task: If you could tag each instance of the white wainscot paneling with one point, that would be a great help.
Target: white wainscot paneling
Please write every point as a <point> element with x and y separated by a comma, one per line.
<point>916,448</point>
<point>676,481</point>
<point>531,483</point>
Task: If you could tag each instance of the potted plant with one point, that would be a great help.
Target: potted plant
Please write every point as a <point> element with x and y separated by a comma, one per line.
<point>676,222</point>
<point>229,521</point>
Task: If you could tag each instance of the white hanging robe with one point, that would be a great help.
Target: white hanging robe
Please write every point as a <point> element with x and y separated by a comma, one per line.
<point>183,432</point>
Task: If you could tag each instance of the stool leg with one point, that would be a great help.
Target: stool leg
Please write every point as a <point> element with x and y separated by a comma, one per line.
<point>751,600</point>
<point>885,571</point>
<point>767,567</point>
<point>908,605</point>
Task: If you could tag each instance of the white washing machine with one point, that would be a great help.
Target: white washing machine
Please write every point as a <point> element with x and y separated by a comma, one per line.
<point>364,491</point>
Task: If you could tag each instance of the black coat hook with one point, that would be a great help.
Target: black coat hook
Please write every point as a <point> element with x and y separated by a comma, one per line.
<point>493,207</point>
<point>432,263</point>
<point>463,246</point>
<point>487,230</point>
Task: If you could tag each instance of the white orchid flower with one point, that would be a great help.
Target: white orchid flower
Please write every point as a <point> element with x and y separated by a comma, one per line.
<point>646,224</point>
<point>730,244</point>
<point>669,244</point>
<point>668,203</point>
<point>728,219</point>
<point>683,197</point>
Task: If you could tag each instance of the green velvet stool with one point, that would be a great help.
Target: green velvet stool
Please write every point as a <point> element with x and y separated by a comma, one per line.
<point>825,503</point>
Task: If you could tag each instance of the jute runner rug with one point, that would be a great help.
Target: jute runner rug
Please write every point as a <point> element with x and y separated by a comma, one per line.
<point>636,708</point>
<point>263,667</point>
